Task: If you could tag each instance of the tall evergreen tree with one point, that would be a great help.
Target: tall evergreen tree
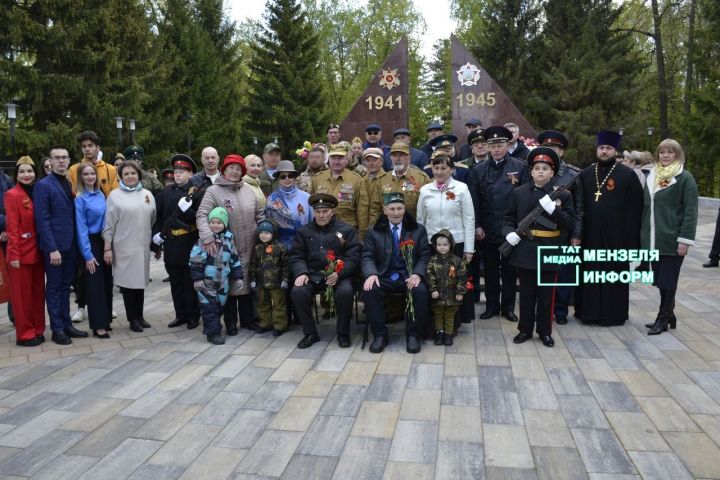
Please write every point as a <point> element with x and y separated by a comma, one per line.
<point>286,95</point>
<point>435,100</point>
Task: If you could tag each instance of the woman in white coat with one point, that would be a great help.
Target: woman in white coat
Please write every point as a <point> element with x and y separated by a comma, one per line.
<point>127,234</point>
<point>446,203</point>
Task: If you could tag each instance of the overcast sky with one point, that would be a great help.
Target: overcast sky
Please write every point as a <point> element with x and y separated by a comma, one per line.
<point>436,13</point>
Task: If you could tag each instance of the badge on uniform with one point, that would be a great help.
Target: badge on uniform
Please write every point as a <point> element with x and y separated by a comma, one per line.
<point>611,184</point>
<point>387,188</point>
<point>513,177</point>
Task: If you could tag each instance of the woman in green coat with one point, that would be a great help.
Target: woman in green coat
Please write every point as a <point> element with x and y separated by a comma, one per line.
<point>668,224</point>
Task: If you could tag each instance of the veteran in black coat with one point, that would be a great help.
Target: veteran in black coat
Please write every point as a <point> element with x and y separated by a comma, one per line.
<point>308,260</point>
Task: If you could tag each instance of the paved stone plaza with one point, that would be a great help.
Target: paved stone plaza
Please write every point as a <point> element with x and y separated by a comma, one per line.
<point>605,403</point>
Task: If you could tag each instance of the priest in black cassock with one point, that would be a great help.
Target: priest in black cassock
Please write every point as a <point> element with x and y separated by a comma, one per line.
<point>613,201</point>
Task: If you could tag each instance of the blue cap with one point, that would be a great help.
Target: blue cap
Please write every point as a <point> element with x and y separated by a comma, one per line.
<point>608,137</point>
<point>474,122</point>
<point>373,126</point>
<point>434,126</point>
<point>443,141</point>
<point>401,131</point>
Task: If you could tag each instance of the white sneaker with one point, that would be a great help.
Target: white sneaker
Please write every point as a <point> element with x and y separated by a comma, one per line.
<point>78,316</point>
<point>114,315</point>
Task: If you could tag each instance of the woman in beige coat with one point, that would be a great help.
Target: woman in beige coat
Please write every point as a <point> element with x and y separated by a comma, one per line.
<point>245,211</point>
<point>254,166</point>
<point>129,218</point>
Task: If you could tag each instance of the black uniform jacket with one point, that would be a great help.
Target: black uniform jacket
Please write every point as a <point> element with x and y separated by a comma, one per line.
<point>523,200</point>
<point>565,174</point>
<point>312,242</point>
<point>491,185</point>
<point>177,247</point>
<point>377,251</point>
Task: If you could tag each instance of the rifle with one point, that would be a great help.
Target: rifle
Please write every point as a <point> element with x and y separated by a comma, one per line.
<point>523,227</point>
<point>173,218</point>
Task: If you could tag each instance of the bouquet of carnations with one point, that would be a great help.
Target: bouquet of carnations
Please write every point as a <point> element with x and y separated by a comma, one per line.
<point>406,250</point>
<point>335,265</point>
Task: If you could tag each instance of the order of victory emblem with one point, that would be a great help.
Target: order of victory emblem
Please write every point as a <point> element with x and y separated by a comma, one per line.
<point>390,78</point>
<point>468,75</point>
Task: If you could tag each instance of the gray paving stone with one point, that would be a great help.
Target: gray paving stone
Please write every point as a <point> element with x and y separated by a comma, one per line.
<point>271,453</point>
<point>166,423</point>
<point>38,427</point>
<point>558,464</point>
<point>708,381</point>
<point>614,397</point>
<point>77,382</point>
<point>326,436</point>
<point>250,381</point>
<point>568,380</point>
<point>123,461</point>
<point>660,466</point>
<point>214,355</point>
<point>425,376</point>
<point>582,348</point>
<point>271,396</point>
<point>460,460</point>
<point>622,359</point>
<point>536,395</point>
<point>139,386</point>
<point>83,400</point>
<point>221,409</point>
<point>186,445</point>
<point>386,388</point>
<point>582,411</point>
<point>414,441</point>
<point>363,459</point>
<point>202,391</point>
<point>489,337</point>
<point>232,366</point>
<point>244,429</point>
<point>106,438</point>
<point>128,371</point>
<point>30,409</point>
<point>601,451</point>
<point>30,460</point>
<point>309,467</point>
<point>503,473</point>
<point>157,472</point>
<point>344,400</point>
<point>174,362</point>
<point>500,408</point>
<point>333,360</point>
<point>151,403</point>
<point>65,467</point>
<point>28,377</point>
<point>461,391</point>
<point>496,379</point>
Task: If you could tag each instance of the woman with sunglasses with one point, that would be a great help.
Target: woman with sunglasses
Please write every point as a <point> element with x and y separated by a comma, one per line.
<point>288,205</point>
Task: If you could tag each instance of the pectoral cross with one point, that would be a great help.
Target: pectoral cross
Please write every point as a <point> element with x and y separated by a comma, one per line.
<point>597,195</point>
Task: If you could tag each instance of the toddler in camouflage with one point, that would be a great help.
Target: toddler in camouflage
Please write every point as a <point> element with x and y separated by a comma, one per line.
<point>268,276</point>
<point>446,278</point>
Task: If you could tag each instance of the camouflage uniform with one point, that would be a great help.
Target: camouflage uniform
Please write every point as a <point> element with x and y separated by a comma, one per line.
<point>350,191</point>
<point>356,166</point>
<point>408,184</point>
<point>447,275</point>
<point>269,271</point>
<point>304,180</point>
<point>151,182</point>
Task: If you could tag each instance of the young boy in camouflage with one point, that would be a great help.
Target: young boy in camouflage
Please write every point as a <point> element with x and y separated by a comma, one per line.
<point>268,275</point>
<point>212,275</point>
<point>447,278</point>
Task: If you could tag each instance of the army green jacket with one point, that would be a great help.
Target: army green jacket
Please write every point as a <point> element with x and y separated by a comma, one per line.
<point>269,265</point>
<point>447,275</point>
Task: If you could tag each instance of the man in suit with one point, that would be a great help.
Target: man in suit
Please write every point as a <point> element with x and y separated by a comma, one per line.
<point>55,221</point>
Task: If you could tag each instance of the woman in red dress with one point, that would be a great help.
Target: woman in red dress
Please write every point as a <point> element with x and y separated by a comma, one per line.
<point>25,266</point>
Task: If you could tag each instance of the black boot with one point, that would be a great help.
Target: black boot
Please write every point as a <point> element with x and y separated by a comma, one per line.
<point>661,325</point>
<point>670,307</point>
<point>660,310</point>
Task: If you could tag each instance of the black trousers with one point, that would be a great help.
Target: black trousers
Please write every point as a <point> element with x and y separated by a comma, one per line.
<point>497,268</point>
<point>535,301</point>
<point>303,299</point>
<point>134,300</point>
<point>98,287</point>
<point>375,302</point>
<point>79,282</point>
<point>184,297</point>
<point>715,249</point>
<point>239,308</point>
<point>211,312</point>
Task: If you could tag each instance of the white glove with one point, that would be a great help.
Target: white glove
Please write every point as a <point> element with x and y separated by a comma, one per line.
<point>184,204</point>
<point>158,239</point>
<point>512,238</point>
<point>547,203</point>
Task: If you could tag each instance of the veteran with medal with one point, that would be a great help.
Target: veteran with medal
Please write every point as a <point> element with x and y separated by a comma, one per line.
<point>612,202</point>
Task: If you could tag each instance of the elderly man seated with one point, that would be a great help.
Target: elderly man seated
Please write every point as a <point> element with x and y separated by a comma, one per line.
<point>309,260</point>
<point>386,271</point>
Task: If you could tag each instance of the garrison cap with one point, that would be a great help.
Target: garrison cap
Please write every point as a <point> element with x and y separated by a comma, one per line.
<point>496,134</point>
<point>393,197</point>
<point>180,160</point>
<point>544,155</point>
<point>322,200</point>
<point>553,137</point>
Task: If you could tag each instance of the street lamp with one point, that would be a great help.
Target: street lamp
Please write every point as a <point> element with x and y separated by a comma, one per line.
<point>255,144</point>
<point>12,117</point>
<point>275,140</point>
<point>621,131</point>
<point>132,131</point>
<point>118,125</point>
<point>650,133</point>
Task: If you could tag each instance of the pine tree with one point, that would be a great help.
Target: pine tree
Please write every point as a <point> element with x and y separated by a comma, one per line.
<point>286,95</point>
<point>436,99</point>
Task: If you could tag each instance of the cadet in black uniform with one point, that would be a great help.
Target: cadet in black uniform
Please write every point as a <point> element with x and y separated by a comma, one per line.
<point>176,232</point>
<point>559,143</point>
<point>550,229</point>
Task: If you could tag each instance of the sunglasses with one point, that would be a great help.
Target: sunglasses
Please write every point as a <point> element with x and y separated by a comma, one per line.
<point>285,176</point>
<point>373,132</point>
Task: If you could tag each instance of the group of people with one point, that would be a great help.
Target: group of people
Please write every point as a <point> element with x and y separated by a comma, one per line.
<point>253,240</point>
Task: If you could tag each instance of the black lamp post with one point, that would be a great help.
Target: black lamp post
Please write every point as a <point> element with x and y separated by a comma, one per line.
<point>118,125</point>
<point>255,144</point>
<point>132,131</point>
<point>12,118</point>
<point>650,134</point>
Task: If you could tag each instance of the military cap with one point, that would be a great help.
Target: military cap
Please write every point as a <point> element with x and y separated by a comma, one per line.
<point>322,200</point>
<point>497,134</point>
<point>373,127</point>
<point>272,147</point>
<point>373,152</point>
<point>393,197</point>
<point>180,160</point>
<point>168,173</point>
<point>442,141</point>
<point>401,131</point>
<point>25,160</point>
<point>337,150</point>
<point>476,136</point>
<point>134,152</point>
<point>607,137</point>
<point>473,122</point>
<point>544,155</point>
<point>400,147</point>
<point>434,126</point>
<point>553,137</point>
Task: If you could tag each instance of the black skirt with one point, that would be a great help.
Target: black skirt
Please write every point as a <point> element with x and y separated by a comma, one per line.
<point>666,271</point>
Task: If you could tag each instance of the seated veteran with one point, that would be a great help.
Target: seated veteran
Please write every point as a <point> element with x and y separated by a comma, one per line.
<point>314,247</point>
<point>386,271</point>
